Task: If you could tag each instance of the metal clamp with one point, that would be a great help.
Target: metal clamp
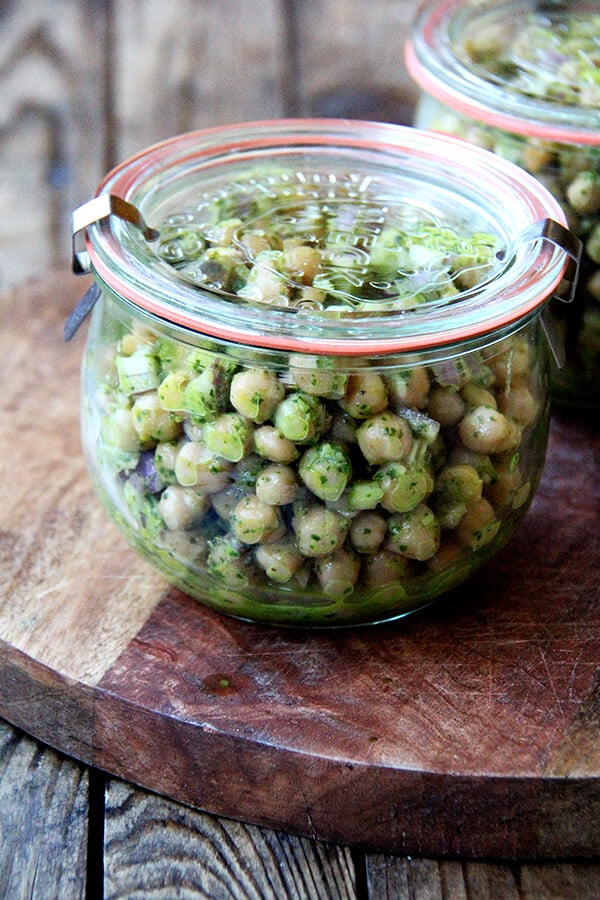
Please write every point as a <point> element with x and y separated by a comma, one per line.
<point>95,210</point>
<point>557,234</point>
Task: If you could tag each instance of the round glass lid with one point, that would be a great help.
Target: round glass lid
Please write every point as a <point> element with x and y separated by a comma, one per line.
<point>328,232</point>
<point>334,242</point>
<point>538,63</point>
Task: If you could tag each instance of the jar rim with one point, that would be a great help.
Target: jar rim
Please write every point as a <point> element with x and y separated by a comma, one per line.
<point>516,292</point>
<point>435,65</point>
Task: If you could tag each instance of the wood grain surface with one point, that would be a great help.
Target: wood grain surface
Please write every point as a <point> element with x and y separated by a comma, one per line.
<point>44,821</point>
<point>471,729</point>
<point>109,839</point>
<point>221,857</point>
<point>83,85</point>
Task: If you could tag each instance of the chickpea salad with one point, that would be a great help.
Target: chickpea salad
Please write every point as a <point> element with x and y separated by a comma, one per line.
<point>321,490</point>
<point>317,492</point>
<point>554,59</point>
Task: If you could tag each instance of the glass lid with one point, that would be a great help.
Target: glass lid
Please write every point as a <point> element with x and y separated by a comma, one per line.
<point>338,242</point>
<point>348,235</point>
<point>535,63</point>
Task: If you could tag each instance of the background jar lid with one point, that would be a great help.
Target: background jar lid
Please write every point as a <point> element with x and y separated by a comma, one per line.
<point>531,69</point>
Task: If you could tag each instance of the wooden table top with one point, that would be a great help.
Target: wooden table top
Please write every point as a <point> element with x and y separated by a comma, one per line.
<point>71,830</point>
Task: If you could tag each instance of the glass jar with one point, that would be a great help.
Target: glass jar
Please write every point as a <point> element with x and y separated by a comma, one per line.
<point>315,382</point>
<point>523,80</point>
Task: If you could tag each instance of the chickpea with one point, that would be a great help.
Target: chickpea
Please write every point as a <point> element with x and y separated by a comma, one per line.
<point>270,444</point>
<point>229,436</point>
<point>448,554</point>
<point>512,365</point>
<point>365,396</point>
<point>280,560</point>
<point>118,431</point>
<point>592,244</point>
<point>265,283</point>
<point>383,568</point>
<point>537,157</point>
<point>253,243</point>
<point>459,482</point>
<point>584,193</point>
<point>475,395</point>
<point>384,438</point>
<point>478,526</point>
<point>310,298</point>
<point>246,471</point>
<point>508,489</point>
<point>325,470</point>
<point>343,427</point>
<point>193,430</point>
<point>486,430</point>
<point>205,396</point>
<point>171,391</point>
<point>338,573</point>
<point>277,485</point>
<point>489,40</point>
<point>364,495</point>
<point>408,387</point>
<point>520,405</point>
<point>301,263</point>
<point>140,337</point>
<point>320,531</point>
<point>151,421</point>
<point>403,486</point>
<point>368,531</point>
<point>414,534</point>
<point>255,394</point>
<point>301,418</point>
<point>445,405</point>
<point>230,562</point>
<point>224,232</point>
<point>225,501</point>
<point>186,546</point>
<point>449,512</point>
<point>593,284</point>
<point>164,461</point>
<point>182,507</point>
<point>313,377</point>
<point>481,462</point>
<point>253,520</point>
<point>196,465</point>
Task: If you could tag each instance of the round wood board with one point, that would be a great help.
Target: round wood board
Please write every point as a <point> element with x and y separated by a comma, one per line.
<point>469,729</point>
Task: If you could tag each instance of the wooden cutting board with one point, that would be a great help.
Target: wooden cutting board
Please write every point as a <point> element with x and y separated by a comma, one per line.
<point>470,729</point>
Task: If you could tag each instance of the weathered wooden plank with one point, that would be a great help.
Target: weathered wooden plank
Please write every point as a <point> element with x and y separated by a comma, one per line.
<point>155,847</point>
<point>350,58</point>
<point>84,84</point>
<point>198,65</point>
<point>44,821</point>
<point>52,112</point>
<point>403,878</point>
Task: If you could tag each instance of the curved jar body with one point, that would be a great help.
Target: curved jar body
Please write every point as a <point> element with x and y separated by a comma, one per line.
<point>524,84</point>
<point>320,397</point>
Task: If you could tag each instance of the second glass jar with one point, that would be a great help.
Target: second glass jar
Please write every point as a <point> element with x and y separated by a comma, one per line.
<point>524,82</point>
